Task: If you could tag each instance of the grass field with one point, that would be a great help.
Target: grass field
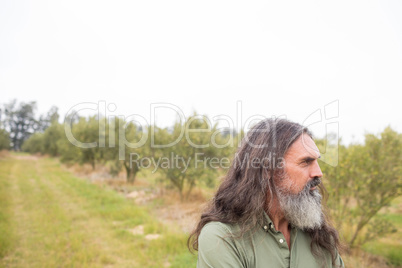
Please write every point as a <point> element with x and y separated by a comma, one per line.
<point>49,218</point>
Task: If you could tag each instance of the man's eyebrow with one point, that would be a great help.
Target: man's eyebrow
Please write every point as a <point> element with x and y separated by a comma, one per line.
<point>308,158</point>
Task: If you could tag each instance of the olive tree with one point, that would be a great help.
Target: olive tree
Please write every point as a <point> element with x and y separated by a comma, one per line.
<point>366,180</point>
<point>190,152</point>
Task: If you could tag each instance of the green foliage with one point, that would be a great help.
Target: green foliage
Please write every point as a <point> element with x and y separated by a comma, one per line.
<point>46,142</point>
<point>34,144</point>
<point>86,130</point>
<point>19,121</point>
<point>68,152</point>
<point>115,167</point>
<point>190,153</point>
<point>366,180</point>
<point>4,140</point>
<point>391,252</point>
<point>125,139</point>
<point>50,118</point>
<point>51,137</point>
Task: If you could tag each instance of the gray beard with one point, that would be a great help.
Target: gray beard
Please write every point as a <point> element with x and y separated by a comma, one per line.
<point>302,210</point>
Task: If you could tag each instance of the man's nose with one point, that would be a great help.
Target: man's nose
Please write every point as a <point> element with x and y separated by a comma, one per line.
<point>315,170</point>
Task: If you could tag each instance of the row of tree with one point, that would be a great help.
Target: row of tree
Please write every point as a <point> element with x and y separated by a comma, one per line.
<point>182,154</point>
<point>366,180</point>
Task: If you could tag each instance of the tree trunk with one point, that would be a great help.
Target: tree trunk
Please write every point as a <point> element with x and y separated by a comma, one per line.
<point>189,190</point>
<point>130,173</point>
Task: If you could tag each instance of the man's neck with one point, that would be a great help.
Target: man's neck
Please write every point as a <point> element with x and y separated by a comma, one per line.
<point>280,222</point>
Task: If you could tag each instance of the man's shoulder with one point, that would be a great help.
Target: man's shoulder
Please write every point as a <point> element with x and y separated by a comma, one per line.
<point>230,233</point>
<point>219,247</point>
<point>216,228</point>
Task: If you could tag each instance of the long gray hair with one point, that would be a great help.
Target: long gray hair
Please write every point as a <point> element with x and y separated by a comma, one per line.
<point>249,187</point>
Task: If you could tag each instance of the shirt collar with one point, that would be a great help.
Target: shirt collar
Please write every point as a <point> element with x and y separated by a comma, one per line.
<point>267,224</point>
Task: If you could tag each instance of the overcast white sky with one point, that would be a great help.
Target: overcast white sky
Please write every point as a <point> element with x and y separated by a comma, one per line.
<point>276,58</point>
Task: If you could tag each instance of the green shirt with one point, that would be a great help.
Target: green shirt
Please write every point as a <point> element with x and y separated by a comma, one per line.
<point>263,247</point>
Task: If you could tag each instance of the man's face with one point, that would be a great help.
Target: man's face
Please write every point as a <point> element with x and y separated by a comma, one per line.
<point>297,193</point>
<point>301,163</point>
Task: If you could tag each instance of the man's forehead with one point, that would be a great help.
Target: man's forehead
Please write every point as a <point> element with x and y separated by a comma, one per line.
<point>303,147</point>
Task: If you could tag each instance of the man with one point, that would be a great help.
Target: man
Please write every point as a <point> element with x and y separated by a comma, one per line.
<point>267,211</point>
